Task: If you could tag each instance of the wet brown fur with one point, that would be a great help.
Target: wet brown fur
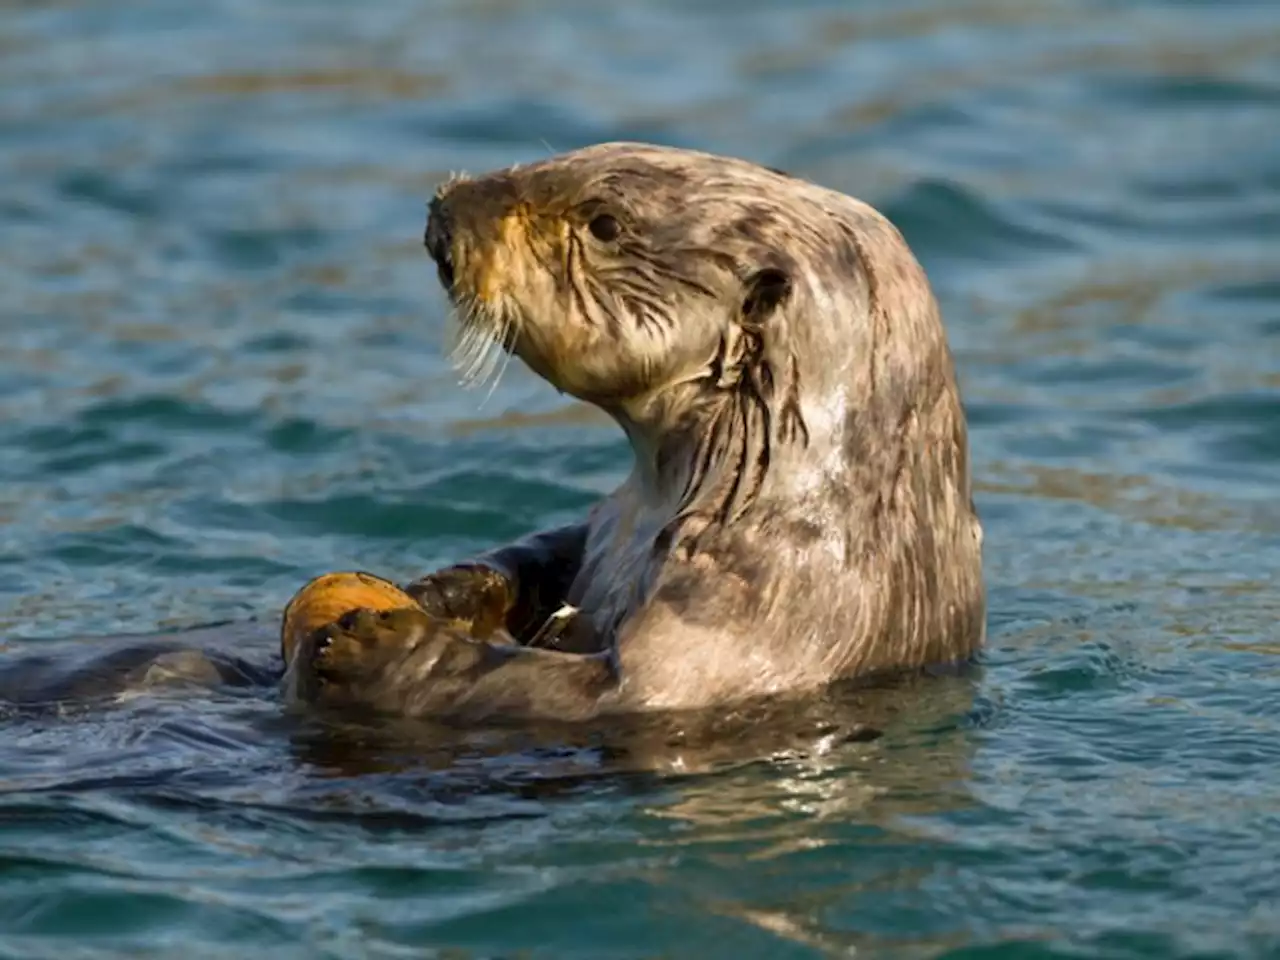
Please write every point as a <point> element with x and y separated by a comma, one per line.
<point>800,508</point>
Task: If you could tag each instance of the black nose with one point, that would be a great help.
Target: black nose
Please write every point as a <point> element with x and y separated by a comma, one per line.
<point>439,241</point>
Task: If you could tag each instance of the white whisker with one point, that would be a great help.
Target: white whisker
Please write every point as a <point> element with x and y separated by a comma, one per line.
<point>478,354</point>
<point>506,358</point>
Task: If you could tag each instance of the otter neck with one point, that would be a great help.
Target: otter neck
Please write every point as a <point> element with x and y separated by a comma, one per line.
<point>700,455</point>
<point>663,441</point>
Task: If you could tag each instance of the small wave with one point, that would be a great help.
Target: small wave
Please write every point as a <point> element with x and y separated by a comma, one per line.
<point>948,221</point>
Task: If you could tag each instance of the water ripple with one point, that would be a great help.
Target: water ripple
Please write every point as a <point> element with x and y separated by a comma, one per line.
<point>222,371</point>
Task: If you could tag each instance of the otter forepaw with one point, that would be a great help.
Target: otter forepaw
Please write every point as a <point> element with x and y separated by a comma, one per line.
<point>473,596</point>
<point>363,642</point>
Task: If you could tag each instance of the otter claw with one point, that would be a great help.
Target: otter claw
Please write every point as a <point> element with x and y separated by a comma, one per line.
<point>328,660</point>
<point>555,625</point>
<point>364,643</point>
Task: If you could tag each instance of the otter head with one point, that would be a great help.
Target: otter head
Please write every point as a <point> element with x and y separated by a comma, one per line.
<point>711,304</point>
<point>612,271</point>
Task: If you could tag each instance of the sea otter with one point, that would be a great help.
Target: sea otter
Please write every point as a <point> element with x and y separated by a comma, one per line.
<point>800,508</point>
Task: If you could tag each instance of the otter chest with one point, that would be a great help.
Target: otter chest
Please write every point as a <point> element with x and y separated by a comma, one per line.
<point>618,567</point>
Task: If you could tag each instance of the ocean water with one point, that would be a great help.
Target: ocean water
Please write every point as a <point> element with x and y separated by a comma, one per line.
<point>223,369</point>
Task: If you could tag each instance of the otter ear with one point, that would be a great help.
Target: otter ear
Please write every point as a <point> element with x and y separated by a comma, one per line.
<point>767,289</point>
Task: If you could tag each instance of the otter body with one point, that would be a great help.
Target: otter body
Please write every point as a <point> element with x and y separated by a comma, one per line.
<point>800,509</point>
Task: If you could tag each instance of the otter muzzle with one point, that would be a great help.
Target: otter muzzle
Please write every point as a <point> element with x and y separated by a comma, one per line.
<point>438,239</point>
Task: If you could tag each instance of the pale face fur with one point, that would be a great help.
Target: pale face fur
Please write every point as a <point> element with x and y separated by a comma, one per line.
<point>800,508</point>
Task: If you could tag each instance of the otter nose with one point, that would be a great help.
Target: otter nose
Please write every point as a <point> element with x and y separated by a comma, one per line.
<point>438,240</point>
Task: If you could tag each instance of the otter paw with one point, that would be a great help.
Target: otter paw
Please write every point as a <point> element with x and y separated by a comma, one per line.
<point>364,642</point>
<point>473,596</point>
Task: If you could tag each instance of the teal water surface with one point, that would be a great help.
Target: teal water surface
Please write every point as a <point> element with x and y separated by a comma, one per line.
<point>223,369</point>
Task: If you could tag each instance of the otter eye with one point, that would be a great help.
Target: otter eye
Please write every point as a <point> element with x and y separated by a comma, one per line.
<point>605,228</point>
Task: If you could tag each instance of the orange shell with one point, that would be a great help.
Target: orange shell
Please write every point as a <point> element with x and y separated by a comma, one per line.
<point>330,595</point>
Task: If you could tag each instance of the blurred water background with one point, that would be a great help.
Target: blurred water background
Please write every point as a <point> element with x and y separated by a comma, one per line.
<point>222,370</point>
